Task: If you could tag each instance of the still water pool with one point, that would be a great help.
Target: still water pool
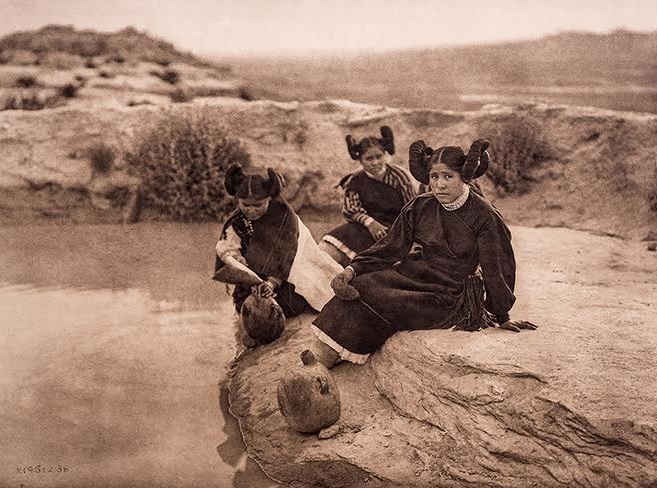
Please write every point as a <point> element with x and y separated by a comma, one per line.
<point>114,346</point>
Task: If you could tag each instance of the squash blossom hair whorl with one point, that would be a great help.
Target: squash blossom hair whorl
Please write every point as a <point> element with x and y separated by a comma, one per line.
<point>241,185</point>
<point>471,166</point>
<point>386,143</point>
<point>476,161</point>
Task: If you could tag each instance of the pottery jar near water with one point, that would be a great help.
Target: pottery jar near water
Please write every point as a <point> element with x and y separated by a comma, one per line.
<point>262,318</point>
<point>308,396</point>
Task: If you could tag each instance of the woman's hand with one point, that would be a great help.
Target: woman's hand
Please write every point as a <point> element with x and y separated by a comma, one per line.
<point>264,289</point>
<point>516,325</point>
<point>377,230</point>
<point>340,284</point>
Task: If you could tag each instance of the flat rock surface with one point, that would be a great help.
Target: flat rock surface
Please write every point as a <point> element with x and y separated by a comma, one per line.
<point>573,404</point>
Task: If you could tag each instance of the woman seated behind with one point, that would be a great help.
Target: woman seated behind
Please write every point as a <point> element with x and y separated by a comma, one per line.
<point>372,197</point>
<point>265,234</point>
<point>396,286</point>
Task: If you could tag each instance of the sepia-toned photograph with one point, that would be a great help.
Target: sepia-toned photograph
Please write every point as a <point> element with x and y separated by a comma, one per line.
<point>328,244</point>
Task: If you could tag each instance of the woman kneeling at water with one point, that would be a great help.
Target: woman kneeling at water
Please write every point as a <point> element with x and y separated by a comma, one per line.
<point>265,234</point>
<point>461,275</point>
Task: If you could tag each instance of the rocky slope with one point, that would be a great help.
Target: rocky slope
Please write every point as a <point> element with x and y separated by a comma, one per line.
<point>573,404</point>
<point>601,176</point>
<point>62,66</point>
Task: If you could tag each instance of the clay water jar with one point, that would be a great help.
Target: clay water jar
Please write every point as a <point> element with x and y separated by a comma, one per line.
<point>308,396</point>
<point>262,319</point>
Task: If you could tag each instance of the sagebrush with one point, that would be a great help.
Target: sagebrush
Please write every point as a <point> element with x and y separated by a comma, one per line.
<point>181,95</point>
<point>651,193</point>
<point>101,157</point>
<point>69,90</point>
<point>518,144</point>
<point>27,81</point>
<point>181,159</point>
<point>169,75</point>
<point>31,101</point>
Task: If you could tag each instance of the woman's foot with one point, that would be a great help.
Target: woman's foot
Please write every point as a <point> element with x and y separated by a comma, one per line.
<point>341,258</point>
<point>324,353</point>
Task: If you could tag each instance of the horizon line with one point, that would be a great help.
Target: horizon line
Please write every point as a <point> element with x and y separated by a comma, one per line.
<point>293,53</point>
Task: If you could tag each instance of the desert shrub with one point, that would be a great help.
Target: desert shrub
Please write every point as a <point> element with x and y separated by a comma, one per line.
<point>180,95</point>
<point>116,58</point>
<point>181,158</point>
<point>101,157</point>
<point>163,62</point>
<point>17,102</point>
<point>27,81</point>
<point>134,103</point>
<point>89,63</point>
<point>170,76</point>
<point>105,74</point>
<point>68,91</point>
<point>212,91</point>
<point>246,94</point>
<point>518,144</point>
<point>31,101</point>
<point>651,193</point>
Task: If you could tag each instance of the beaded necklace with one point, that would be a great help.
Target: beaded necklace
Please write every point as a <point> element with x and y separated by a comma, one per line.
<point>249,225</point>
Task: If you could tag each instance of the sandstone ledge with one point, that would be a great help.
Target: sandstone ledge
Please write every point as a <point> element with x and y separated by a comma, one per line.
<point>601,178</point>
<point>573,404</point>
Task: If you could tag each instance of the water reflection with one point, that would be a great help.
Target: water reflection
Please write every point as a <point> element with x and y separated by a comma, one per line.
<point>112,346</point>
<point>248,474</point>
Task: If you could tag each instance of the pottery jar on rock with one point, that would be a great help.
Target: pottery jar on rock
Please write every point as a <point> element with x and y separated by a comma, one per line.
<point>308,396</point>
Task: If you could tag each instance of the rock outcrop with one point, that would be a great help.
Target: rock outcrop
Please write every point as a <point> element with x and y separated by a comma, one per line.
<point>601,176</point>
<point>573,404</point>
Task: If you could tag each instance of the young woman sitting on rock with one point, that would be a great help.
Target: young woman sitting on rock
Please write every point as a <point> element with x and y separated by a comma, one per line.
<point>266,235</point>
<point>461,275</point>
<point>372,197</point>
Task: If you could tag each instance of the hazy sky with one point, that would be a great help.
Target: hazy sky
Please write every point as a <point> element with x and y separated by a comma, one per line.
<point>294,26</point>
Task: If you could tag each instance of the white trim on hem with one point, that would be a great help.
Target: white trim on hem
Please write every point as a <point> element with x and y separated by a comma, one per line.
<point>340,246</point>
<point>345,354</point>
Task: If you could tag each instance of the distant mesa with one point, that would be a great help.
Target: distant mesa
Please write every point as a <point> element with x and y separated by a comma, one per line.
<point>59,65</point>
<point>128,44</point>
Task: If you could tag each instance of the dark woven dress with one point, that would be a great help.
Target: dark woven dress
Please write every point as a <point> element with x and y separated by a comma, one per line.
<point>435,286</point>
<point>269,246</point>
<point>366,198</point>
